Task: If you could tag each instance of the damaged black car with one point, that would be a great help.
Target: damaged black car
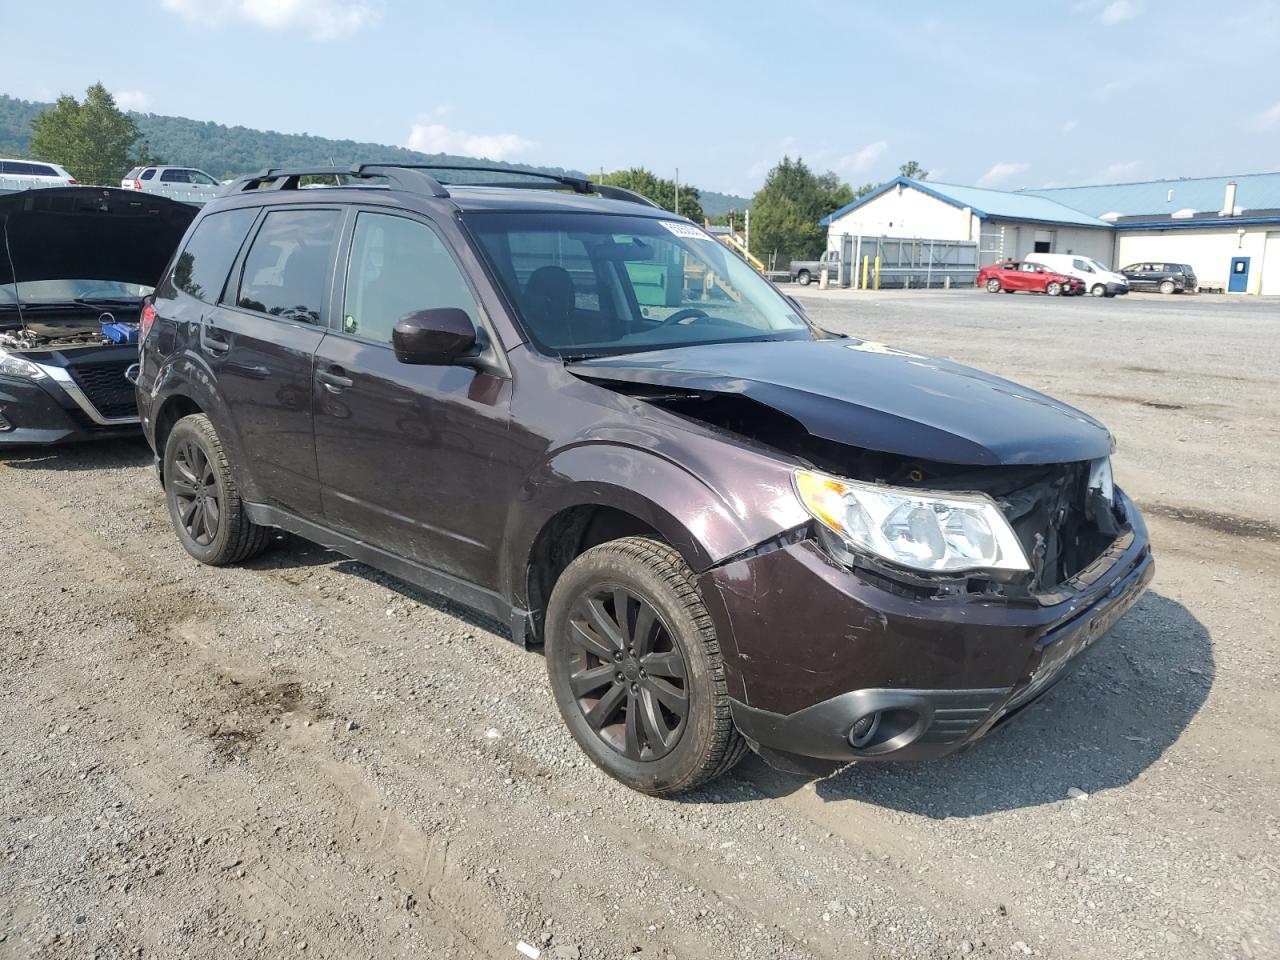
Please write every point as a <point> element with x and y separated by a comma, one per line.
<point>75,265</point>
<point>557,404</point>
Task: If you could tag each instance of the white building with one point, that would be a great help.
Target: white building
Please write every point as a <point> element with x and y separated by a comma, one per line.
<point>1227,229</point>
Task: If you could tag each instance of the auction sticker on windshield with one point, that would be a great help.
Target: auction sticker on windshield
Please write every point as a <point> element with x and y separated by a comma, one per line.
<point>687,230</point>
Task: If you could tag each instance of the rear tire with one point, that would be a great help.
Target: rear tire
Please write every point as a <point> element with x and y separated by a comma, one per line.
<point>642,690</point>
<point>204,501</point>
<point>1167,287</point>
<point>803,278</point>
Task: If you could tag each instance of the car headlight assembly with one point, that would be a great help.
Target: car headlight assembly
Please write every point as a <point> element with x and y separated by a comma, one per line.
<point>12,366</point>
<point>926,531</point>
<point>1101,480</point>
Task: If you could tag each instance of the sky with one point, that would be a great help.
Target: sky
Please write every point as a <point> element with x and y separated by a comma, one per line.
<point>1007,96</point>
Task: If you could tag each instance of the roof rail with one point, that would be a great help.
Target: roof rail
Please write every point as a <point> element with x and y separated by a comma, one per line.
<point>413,178</point>
<point>281,178</point>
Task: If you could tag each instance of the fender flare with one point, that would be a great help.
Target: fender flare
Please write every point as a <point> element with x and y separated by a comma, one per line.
<point>684,509</point>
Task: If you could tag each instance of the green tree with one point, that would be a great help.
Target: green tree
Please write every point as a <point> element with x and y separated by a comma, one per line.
<point>912,170</point>
<point>93,139</point>
<point>660,191</point>
<point>786,211</point>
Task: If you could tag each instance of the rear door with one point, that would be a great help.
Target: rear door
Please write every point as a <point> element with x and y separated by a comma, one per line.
<point>412,459</point>
<point>260,342</point>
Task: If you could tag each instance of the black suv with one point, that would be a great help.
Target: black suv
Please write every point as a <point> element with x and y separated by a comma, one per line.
<point>562,406</point>
<point>1165,277</point>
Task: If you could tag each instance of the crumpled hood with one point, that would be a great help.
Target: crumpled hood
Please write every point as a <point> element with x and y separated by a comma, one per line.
<point>89,233</point>
<point>872,396</point>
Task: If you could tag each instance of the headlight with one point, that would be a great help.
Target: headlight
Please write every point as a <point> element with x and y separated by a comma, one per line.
<point>929,531</point>
<point>17,367</point>
<point>1100,479</point>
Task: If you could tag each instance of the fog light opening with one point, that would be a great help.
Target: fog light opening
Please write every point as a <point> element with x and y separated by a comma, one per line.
<point>864,730</point>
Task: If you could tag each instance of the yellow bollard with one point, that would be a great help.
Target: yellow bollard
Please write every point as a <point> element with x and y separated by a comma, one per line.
<point>877,273</point>
<point>866,260</point>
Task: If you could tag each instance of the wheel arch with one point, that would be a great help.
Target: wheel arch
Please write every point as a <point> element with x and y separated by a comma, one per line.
<point>598,492</point>
<point>183,388</point>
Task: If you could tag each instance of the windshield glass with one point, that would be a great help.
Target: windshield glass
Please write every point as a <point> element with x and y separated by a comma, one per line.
<point>64,291</point>
<point>596,284</point>
<point>1096,265</point>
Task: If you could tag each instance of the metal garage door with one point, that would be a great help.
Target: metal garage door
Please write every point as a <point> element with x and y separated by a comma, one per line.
<point>1271,265</point>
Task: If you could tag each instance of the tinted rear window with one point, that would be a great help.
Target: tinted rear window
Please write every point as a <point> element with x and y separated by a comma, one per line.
<point>287,269</point>
<point>148,173</point>
<point>202,267</point>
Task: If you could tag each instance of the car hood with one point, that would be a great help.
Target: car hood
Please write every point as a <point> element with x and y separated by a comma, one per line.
<point>89,233</point>
<point>875,397</point>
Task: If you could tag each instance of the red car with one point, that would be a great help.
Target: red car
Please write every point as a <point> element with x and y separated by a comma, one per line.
<point>1012,275</point>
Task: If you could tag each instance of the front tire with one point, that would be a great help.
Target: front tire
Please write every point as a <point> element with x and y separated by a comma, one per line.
<point>1053,289</point>
<point>636,670</point>
<point>803,278</point>
<point>1098,290</point>
<point>204,501</point>
<point>993,285</point>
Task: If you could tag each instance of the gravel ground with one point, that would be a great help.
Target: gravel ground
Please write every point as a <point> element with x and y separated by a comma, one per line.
<point>302,757</point>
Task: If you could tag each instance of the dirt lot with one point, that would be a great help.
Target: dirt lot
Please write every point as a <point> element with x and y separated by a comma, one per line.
<point>304,758</point>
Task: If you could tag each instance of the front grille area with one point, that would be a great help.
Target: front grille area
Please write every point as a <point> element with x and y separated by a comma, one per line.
<point>107,389</point>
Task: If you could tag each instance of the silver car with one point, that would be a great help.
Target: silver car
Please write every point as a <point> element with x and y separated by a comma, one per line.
<point>177,183</point>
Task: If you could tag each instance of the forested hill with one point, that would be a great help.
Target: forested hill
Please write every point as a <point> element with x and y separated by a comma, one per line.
<point>228,151</point>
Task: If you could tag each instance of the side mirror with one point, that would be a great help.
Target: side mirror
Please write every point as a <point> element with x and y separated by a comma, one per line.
<point>436,337</point>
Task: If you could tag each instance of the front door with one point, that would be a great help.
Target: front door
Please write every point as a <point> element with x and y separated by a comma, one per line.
<point>1239,282</point>
<point>260,342</point>
<point>412,458</point>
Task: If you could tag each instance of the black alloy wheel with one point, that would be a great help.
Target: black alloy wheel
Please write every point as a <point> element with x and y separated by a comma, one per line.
<point>636,669</point>
<point>195,490</point>
<point>627,673</point>
<point>204,501</point>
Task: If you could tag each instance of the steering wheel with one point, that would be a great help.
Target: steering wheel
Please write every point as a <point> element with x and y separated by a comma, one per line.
<point>688,313</point>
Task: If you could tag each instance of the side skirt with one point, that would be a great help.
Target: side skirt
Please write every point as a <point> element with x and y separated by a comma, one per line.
<point>488,602</point>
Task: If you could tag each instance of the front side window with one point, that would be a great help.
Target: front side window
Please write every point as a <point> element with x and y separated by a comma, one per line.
<point>286,271</point>
<point>397,267</point>
<point>202,267</point>
<point>594,284</point>
<point>1082,266</point>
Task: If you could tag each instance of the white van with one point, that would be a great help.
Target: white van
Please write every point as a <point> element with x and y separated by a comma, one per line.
<point>1098,280</point>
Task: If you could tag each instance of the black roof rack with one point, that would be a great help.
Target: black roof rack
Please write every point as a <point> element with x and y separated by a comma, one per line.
<point>413,178</point>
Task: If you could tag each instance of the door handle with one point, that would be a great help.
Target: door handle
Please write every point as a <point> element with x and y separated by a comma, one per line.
<point>213,339</point>
<point>335,379</point>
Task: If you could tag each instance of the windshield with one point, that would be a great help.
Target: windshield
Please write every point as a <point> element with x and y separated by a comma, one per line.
<point>69,291</point>
<point>1096,265</point>
<point>593,284</point>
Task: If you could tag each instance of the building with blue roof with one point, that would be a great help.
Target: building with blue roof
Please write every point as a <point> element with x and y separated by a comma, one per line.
<point>1226,228</point>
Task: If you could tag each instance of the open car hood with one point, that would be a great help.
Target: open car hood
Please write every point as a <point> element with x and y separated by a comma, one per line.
<point>89,233</point>
<point>875,397</point>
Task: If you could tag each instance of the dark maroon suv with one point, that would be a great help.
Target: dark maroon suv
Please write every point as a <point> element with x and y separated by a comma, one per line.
<point>567,408</point>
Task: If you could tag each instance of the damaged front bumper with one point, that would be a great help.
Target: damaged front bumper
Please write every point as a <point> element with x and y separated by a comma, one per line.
<point>818,655</point>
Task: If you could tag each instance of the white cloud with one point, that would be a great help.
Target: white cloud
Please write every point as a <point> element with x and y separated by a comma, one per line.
<point>1119,11</point>
<point>1000,172</point>
<point>131,99</point>
<point>317,19</point>
<point>1069,126</point>
<point>1109,12</point>
<point>1268,119</point>
<point>862,159</point>
<point>1121,171</point>
<point>430,137</point>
